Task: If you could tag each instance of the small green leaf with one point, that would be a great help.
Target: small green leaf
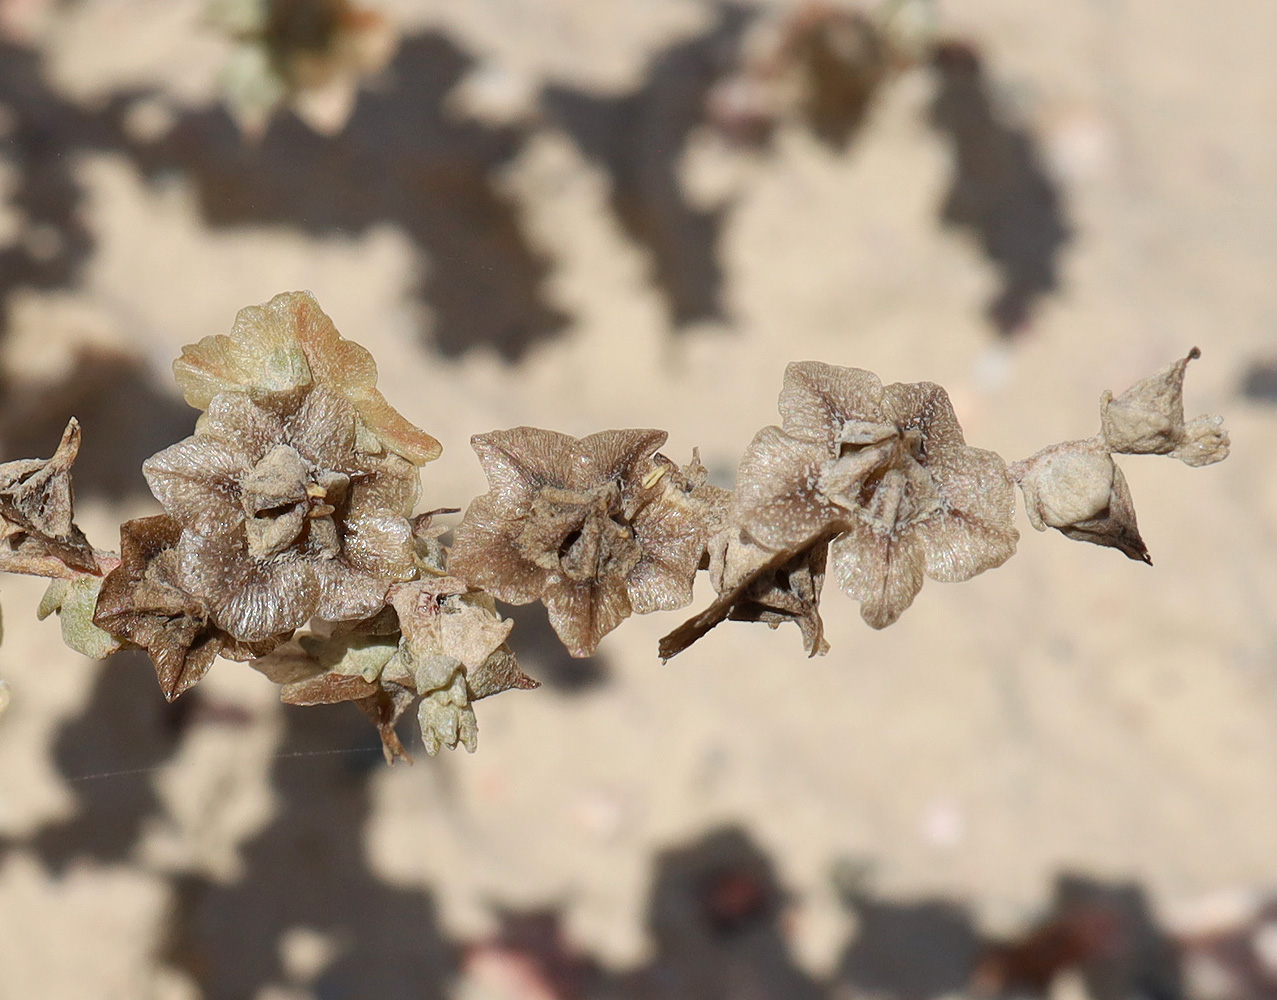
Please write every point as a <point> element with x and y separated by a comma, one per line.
<point>357,656</point>
<point>75,608</point>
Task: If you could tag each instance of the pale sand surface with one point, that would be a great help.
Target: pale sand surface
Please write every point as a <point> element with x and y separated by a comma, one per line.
<point>1070,712</point>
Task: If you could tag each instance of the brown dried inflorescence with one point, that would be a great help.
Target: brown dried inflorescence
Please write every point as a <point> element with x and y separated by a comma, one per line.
<point>885,473</point>
<point>292,504</point>
<point>596,528</point>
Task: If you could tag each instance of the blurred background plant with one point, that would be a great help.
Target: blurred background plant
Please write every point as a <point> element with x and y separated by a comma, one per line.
<point>309,54</point>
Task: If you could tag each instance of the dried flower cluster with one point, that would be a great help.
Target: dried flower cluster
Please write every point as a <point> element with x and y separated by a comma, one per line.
<point>598,528</point>
<point>289,537</point>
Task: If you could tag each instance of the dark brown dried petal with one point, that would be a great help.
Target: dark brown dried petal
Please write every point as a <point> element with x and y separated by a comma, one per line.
<point>384,484</point>
<point>818,399</point>
<point>958,546</point>
<point>348,594</point>
<point>142,600</point>
<point>791,594</point>
<point>777,498</point>
<point>327,689</point>
<point>499,672</point>
<point>485,553</point>
<point>197,482</point>
<point>252,423</point>
<point>323,429</point>
<point>672,533</point>
<point>974,529</point>
<point>249,599</point>
<point>519,461</point>
<point>623,457</point>
<point>37,513</point>
<point>37,492</point>
<point>925,407</point>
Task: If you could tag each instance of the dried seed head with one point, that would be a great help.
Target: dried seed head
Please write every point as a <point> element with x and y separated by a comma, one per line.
<point>1078,489</point>
<point>588,526</point>
<point>1148,419</point>
<point>885,472</point>
<point>283,515</point>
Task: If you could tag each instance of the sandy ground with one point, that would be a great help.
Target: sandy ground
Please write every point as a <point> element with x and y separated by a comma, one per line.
<point>1072,718</point>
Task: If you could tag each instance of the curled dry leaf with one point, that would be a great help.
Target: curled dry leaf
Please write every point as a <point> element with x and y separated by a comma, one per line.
<point>283,517</point>
<point>38,533</point>
<point>755,585</point>
<point>1148,419</point>
<point>883,471</point>
<point>289,344</point>
<point>142,601</point>
<point>596,528</point>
